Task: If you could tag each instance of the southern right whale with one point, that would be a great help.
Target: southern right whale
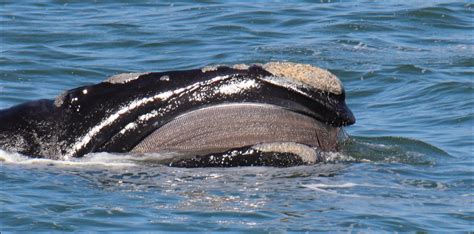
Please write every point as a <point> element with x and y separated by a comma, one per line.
<point>273,114</point>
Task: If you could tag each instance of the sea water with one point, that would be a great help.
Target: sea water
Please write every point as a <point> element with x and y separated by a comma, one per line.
<point>407,67</point>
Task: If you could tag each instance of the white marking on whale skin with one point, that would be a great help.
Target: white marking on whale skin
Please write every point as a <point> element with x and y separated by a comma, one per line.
<point>196,97</point>
<point>78,145</point>
<point>228,89</point>
<point>237,87</point>
<point>141,118</point>
<point>127,127</point>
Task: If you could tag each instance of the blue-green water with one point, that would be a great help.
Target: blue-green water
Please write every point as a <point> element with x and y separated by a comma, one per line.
<point>407,69</point>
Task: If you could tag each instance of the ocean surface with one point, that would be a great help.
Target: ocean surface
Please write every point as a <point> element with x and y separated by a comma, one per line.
<point>407,68</point>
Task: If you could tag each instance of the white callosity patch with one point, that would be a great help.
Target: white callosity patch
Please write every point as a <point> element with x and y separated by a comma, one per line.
<point>59,100</point>
<point>211,68</point>
<point>240,66</point>
<point>306,153</point>
<point>311,76</point>
<point>123,78</point>
<point>132,106</point>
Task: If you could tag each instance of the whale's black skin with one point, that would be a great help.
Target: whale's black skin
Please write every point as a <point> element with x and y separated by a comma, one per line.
<point>81,120</point>
<point>244,156</point>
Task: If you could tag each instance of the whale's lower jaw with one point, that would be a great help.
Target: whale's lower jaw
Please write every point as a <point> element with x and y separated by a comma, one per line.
<point>277,154</point>
<point>242,134</point>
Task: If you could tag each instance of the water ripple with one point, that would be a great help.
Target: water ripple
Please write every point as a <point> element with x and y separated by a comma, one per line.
<point>407,71</point>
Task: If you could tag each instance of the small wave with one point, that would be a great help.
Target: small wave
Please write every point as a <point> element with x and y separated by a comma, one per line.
<point>333,188</point>
<point>393,150</point>
<point>361,27</point>
<point>409,69</point>
<point>449,87</point>
<point>330,189</point>
<point>438,14</point>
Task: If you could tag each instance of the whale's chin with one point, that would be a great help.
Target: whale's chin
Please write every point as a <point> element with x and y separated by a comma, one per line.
<point>242,134</point>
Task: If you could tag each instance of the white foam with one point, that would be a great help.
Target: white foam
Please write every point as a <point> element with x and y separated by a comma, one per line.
<point>317,187</point>
<point>332,188</point>
<point>99,159</point>
<point>336,157</point>
<point>107,160</point>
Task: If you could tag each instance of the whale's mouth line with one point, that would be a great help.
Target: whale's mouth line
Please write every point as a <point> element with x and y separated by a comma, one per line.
<point>256,132</point>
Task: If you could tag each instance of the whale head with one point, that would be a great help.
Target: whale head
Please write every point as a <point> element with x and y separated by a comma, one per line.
<point>252,112</point>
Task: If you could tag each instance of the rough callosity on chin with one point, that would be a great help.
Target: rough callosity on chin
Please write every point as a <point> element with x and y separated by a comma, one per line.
<point>309,75</point>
